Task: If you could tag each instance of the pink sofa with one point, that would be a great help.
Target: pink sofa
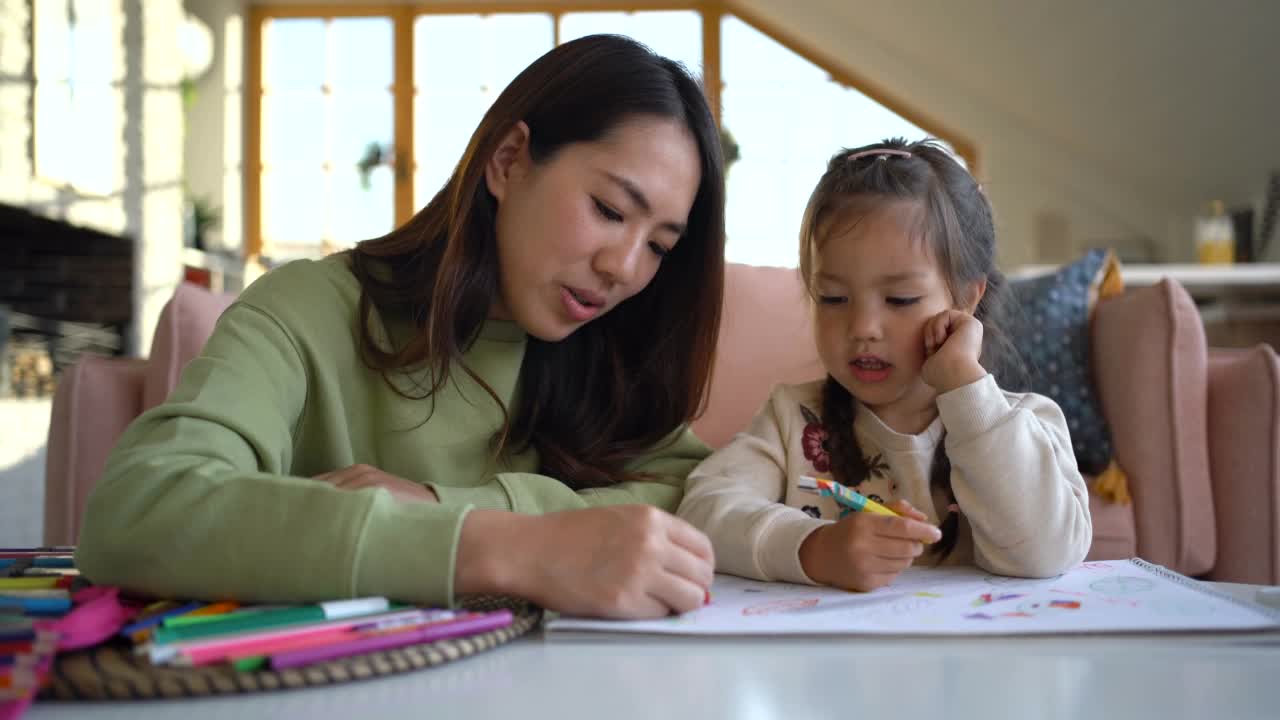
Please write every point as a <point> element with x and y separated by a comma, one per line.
<point>1194,428</point>
<point>98,397</point>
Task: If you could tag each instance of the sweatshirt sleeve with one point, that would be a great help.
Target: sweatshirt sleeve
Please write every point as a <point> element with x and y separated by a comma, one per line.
<point>736,498</point>
<point>196,500</point>
<point>666,465</point>
<point>1015,478</point>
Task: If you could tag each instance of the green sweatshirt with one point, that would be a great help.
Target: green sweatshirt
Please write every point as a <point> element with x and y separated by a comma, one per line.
<point>209,495</point>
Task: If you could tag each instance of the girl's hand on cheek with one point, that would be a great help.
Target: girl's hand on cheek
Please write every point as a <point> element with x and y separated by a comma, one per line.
<point>952,346</point>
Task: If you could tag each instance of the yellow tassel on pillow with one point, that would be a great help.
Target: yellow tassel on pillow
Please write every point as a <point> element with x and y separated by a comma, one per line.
<point>1112,485</point>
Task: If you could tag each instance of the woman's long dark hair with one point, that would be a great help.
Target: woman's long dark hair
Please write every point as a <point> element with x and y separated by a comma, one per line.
<point>620,384</point>
<point>956,223</point>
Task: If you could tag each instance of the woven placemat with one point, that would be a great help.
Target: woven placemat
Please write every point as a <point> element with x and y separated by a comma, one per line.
<point>113,672</point>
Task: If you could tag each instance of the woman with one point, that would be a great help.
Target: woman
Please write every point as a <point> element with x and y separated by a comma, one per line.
<point>491,398</point>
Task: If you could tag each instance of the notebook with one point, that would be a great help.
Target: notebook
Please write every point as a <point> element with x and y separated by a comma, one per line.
<point>1120,596</point>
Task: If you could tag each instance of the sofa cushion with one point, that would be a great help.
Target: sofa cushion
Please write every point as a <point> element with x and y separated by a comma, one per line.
<point>766,337</point>
<point>1149,363</point>
<point>1114,536</point>
<point>185,324</point>
<point>1051,330</point>
<point>96,399</point>
<point>1244,457</point>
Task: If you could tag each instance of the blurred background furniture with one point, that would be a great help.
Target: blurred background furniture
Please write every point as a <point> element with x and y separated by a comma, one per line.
<point>98,396</point>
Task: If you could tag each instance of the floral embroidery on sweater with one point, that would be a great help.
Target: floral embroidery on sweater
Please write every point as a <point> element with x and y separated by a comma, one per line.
<point>814,441</point>
<point>817,452</point>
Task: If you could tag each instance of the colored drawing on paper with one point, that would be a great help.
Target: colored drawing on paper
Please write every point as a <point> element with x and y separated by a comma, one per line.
<point>1033,608</point>
<point>778,606</point>
<point>988,598</point>
<point>1121,585</point>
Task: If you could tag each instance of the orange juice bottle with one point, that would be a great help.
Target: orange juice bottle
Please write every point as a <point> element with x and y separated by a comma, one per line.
<point>1215,236</point>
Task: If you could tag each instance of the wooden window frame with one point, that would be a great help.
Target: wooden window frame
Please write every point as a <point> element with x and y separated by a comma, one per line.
<point>403,17</point>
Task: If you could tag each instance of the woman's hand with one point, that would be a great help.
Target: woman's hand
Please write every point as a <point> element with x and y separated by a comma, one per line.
<point>864,551</point>
<point>619,561</point>
<point>952,346</point>
<point>359,477</point>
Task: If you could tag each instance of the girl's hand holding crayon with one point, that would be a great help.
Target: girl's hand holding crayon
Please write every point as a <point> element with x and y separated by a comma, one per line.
<point>359,477</point>
<point>864,551</point>
<point>952,347</point>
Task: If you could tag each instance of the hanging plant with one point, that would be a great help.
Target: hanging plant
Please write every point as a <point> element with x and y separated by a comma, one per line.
<point>375,154</point>
<point>728,148</point>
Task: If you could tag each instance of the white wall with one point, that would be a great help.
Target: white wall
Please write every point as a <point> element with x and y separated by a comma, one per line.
<point>1109,122</point>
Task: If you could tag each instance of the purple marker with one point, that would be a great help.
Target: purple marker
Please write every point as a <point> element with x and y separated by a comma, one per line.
<point>464,625</point>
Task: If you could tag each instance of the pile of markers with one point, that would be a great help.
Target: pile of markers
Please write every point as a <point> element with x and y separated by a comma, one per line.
<point>36,588</point>
<point>47,608</point>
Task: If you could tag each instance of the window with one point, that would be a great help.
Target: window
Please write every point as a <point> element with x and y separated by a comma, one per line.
<point>364,116</point>
<point>452,95</point>
<point>79,69</point>
<point>327,104</point>
<point>788,117</point>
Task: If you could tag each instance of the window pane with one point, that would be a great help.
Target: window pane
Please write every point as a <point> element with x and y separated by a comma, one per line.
<point>293,128</point>
<point>289,200</point>
<point>362,52</point>
<point>358,212</point>
<point>676,34</point>
<point>769,87</point>
<point>52,26</point>
<point>293,54</point>
<point>452,95</point>
<point>53,127</point>
<point>96,51</point>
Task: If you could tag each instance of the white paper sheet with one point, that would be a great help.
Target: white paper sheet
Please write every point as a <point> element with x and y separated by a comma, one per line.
<point>1096,597</point>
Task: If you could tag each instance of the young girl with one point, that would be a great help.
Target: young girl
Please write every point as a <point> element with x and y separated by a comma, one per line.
<point>897,252</point>
<point>492,398</point>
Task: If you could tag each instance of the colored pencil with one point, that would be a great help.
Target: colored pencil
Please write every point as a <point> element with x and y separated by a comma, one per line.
<point>468,625</point>
<point>168,653</point>
<point>258,646</point>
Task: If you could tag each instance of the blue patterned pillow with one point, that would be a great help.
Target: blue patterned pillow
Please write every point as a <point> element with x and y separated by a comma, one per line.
<point>1051,331</point>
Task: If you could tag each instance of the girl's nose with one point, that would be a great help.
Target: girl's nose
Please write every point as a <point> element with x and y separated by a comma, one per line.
<point>864,324</point>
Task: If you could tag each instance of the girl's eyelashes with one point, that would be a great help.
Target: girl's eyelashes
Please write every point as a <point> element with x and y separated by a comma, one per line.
<point>902,301</point>
<point>659,249</point>
<point>830,299</point>
<point>605,211</point>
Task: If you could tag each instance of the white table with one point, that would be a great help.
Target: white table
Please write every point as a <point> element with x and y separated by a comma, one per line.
<point>1155,676</point>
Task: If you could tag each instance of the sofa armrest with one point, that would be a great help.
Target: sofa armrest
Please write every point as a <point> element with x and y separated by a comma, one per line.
<point>1149,360</point>
<point>1244,455</point>
<point>96,399</point>
<point>766,337</point>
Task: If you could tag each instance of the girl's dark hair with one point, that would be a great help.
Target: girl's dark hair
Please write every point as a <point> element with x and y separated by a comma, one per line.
<point>620,384</point>
<point>955,222</point>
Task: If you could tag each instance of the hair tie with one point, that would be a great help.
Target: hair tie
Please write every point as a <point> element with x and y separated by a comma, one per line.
<point>879,153</point>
